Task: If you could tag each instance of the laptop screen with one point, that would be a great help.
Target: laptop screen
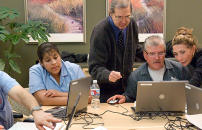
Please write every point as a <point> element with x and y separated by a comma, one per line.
<point>73,112</point>
<point>193,99</point>
<point>77,86</point>
<point>162,95</point>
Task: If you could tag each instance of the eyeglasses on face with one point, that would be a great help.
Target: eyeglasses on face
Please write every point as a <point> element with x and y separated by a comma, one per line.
<point>154,54</point>
<point>120,18</point>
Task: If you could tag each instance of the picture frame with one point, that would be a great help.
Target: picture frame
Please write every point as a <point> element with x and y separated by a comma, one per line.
<point>67,22</point>
<point>142,13</point>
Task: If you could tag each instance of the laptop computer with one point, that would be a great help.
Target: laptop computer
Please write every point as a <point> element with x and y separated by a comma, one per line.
<point>193,99</point>
<point>156,95</point>
<point>73,112</point>
<point>194,105</point>
<point>77,86</point>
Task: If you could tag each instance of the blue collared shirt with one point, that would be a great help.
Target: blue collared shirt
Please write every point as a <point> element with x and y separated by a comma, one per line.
<point>40,78</point>
<point>6,115</point>
<point>117,30</point>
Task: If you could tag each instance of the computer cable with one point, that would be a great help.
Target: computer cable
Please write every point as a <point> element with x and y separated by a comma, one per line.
<point>148,113</point>
<point>88,117</point>
<point>88,120</point>
<point>123,113</point>
<point>179,123</point>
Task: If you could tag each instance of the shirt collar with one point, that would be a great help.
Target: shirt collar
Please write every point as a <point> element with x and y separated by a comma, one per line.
<point>63,73</point>
<point>115,28</point>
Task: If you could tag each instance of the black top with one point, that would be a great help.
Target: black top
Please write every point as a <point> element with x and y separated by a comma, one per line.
<point>195,67</point>
<point>196,63</point>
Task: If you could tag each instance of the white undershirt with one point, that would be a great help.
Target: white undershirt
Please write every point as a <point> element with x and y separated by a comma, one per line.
<point>157,75</point>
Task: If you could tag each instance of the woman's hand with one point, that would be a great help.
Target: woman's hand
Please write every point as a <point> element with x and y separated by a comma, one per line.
<point>55,93</point>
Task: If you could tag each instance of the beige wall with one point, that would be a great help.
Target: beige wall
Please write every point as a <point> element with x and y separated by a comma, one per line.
<point>179,13</point>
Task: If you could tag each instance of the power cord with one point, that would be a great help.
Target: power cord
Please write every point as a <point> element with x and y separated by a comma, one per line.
<point>88,117</point>
<point>123,113</point>
<point>179,123</point>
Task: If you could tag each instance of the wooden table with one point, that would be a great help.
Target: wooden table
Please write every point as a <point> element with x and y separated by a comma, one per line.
<point>115,121</point>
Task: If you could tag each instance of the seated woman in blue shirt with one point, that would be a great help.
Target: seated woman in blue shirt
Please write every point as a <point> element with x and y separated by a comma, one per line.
<point>49,79</point>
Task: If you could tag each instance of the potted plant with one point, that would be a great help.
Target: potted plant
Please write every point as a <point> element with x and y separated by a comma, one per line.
<point>17,34</point>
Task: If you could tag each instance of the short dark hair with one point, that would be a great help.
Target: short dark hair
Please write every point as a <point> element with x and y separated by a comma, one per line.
<point>46,48</point>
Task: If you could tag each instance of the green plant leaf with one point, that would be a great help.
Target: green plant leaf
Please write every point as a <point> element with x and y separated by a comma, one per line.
<point>15,55</point>
<point>43,28</point>
<point>37,23</point>
<point>25,26</point>
<point>8,37</point>
<point>11,16</point>
<point>40,41</point>
<point>4,15</point>
<point>4,32</point>
<point>25,38</point>
<point>2,27</point>
<point>34,34</point>
<point>9,55</point>
<point>42,35</point>
<point>19,30</point>
<point>15,11</point>
<point>15,39</point>
<point>47,34</point>
<point>2,65</point>
<point>30,22</point>
<point>4,10</point>
<point>14,66</point>
<point>2,37</point>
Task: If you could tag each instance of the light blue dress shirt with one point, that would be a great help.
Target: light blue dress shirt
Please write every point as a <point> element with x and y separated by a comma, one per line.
<point>6,114</point>
<point>40,78</point>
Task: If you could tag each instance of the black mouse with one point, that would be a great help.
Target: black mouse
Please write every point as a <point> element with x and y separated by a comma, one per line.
<point>29,120</point>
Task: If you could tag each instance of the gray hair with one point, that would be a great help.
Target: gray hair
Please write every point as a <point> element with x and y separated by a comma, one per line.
<point>154,40</point>
<point>119,4</point>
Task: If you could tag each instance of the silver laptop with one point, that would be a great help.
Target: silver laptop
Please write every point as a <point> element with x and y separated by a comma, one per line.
<point>193,99</point>
<point>166,95</point>
<point>77,86</point>
<point>71,116</point>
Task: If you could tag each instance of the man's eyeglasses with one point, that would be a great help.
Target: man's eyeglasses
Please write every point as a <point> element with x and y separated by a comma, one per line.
<point>120,18</point>
<point>154,54</point>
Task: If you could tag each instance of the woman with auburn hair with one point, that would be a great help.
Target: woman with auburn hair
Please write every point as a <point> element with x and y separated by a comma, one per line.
<point>187,52</point>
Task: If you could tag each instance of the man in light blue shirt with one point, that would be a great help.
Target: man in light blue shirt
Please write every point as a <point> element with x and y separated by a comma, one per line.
<point>10,87</point>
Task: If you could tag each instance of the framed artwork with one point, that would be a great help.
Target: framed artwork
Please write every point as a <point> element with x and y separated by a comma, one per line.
<point>149,15</point>
<point>65,17</point>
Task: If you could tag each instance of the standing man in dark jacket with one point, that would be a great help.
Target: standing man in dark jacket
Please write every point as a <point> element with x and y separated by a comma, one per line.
<point>109,64</point>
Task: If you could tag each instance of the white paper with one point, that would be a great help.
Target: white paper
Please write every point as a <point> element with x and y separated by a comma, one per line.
<point>195,119</point>
<point>31,126</point>
<point>99,128</point>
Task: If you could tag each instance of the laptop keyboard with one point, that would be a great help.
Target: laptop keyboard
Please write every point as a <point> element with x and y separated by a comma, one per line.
<point>61,113</point>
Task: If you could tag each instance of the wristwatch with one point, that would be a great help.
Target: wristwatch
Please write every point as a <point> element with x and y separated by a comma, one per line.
<point>37,108</point>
